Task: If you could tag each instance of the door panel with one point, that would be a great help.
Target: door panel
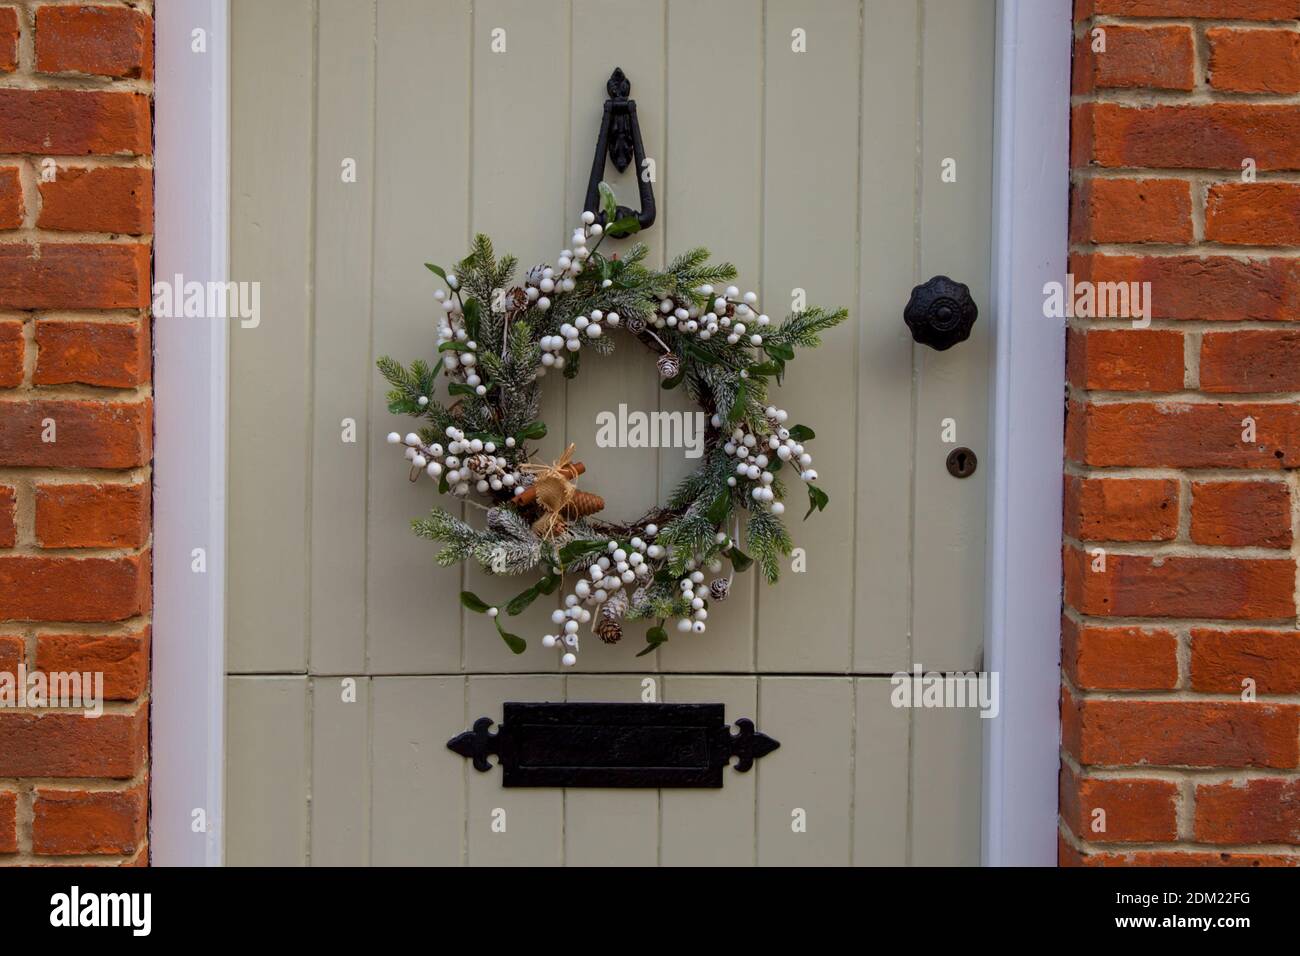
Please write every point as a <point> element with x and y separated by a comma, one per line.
<point>815,172</point>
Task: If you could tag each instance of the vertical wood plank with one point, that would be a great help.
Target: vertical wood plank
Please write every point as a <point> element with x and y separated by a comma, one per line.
<point>343,371</point>
<point>812,717</point>
<point>880,776</point>
<point>711,827</point>
<point>957,123</point>
<point>269,416</point>
<point>625,477</point>
<point>713,197</point>
<point>609,827</point>
<point>417,801</point>
<point>520,138</point>
<point>886,274</point>
<point>340,773</point>
<point>421,215</point>
<point>945,787</point>
<point>266,771</point>
<point>521,826</point>
<point>810,179</point>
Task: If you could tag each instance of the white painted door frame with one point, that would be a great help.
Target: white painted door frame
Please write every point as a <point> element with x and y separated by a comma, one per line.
<point>1027,411</point>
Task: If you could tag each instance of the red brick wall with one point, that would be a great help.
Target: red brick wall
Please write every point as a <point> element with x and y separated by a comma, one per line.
<point>76,218</point>
<point>1166,755</point>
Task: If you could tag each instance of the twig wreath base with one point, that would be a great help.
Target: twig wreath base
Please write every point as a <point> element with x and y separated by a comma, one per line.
<point>498,340</point>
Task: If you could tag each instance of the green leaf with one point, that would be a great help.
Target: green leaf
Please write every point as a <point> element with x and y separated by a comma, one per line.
<point>443,485</point>
<point>779,350</point>
<point>472,601</point>
<point>436,270</point>
<point>720,508</point>
<point>737,410</point>
<point>575,549</point>
<point>523,599</point>
<point>608,202</point>
<point>460,388</point>
<point>766,368</point>
<point>533,431</point>
<point>802,433</point>
<point>654,637</point>
<point>624,227</point>
<point>817,500</point>
<point>548,584</point>
<point>453,346</point>
<point>676,380</point>
<point>513,641</point>
<point>472,312</point>
<point>739,559</point>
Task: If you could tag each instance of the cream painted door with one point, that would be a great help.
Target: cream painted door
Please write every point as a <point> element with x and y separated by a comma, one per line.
<point>819,170</point>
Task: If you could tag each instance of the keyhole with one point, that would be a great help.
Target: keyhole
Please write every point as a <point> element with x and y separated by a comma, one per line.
<point>962,462</point>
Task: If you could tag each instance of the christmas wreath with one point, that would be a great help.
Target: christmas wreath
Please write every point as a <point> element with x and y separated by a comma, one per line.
<point>496,342</point>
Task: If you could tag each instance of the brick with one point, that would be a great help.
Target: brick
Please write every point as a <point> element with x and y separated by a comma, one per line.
<point>1132,811</point>
<point>37,588</point>
<point>100,41</point>
<point>88,434</point>
<point>1248,811</point>
<point>8,516</point>
<point>1158,58</point>
<point>75,122</point>
<point>1250,360</point>
<point>64,744</point>
<point>13,349</point>
<point>116,199</point>
<point>92,515</point>
<point>1241,513</point>
<point>1121,509</point>
<point>12,650</point>
<point>76,275</point>
<point>1180,733</point>
<point>1223,660</point>
<point>1178,858</point>
<point>1182,435</point>
<point>1132,210</point>
<point>8,39</point>
<point>1209,9</point>
<point>123,659</point>
<point>8,821</point>
<point>110,354</point>
<point>1254,61</point>
<point>1119,658</point>
<point>1253,214</point>
<point>76,822</point>
<point>12,207</point>
<point>1221,288</point>
<point>1201,136</point>
<point>1260,589</point>
<point>1125,360</point>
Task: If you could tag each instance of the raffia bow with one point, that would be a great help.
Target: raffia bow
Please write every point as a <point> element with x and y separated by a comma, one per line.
<point>556,495</point>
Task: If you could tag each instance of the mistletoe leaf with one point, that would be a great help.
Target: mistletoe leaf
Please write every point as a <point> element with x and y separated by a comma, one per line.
<point>516,643</point>
<point>436,270</point>
<point>472,314</point>
<point>608,202</point>
<point>654,637</point>
<point>779,350</point>
<point>624,227</point>
<point>739,559</point>
<point>531,432</point>
<point>737,411</point>
<point>802,433</point>
<point>460,388</point>
<point>720,508</point>
<point>524,598</point>
<point>472,601</point>
<point>817,500</point>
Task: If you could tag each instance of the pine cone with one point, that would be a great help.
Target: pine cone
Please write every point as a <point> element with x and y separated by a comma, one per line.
<point>480,464</point>
<point>583,503</point>
<point>608,630</point>
<point>609,627</point>
<point>634,324</point>
<point>669,365</point>
<point>718,588</point>
<point>516,299</point>
<point>639,596</point>
<point>534,275</point>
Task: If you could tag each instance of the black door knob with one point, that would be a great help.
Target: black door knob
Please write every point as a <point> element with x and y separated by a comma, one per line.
<point>940,313</point>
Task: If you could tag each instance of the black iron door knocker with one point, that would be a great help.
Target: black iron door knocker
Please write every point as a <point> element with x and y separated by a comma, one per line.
<point>620,140</point>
